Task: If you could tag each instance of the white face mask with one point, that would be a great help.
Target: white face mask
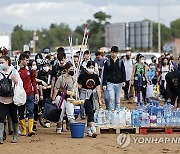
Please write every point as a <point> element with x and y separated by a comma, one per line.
<point>34,67</point>
<point>90,70</point>
<point>3,66</point>
<point>39,60</point>
<point>46,68</point>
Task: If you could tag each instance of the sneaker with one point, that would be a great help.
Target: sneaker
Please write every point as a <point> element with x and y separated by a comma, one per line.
<point>89,133</point>
<point>93,130</point>
<point>47,125</point>
<point>58,130</point>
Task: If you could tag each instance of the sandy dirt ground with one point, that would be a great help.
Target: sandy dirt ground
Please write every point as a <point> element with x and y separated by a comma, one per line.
<point>46,141</point>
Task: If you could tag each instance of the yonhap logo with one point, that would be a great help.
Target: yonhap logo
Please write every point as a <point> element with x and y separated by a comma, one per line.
<point>123,140</point>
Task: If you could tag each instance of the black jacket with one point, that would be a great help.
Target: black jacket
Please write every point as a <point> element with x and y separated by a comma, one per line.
<point>114,73</point>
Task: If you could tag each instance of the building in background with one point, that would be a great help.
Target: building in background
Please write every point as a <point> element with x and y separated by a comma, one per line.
<point>136,35</point>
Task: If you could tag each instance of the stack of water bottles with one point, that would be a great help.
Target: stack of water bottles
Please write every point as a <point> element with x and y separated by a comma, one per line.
<point>154,115</point>
<point>120,117</point>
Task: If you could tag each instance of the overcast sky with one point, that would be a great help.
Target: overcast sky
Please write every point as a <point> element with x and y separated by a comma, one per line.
<point>35,14</point>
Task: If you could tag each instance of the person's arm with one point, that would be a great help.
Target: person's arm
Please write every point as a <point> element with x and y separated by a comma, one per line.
<point>57,86</point>
<point>145,74</point>
<point>123,72</point>
<point>33,80</point>
<point>132,76</point>
<point>105,71</point>
<point>98,89</point>
<point>52,86</point>
<point>41,92</point>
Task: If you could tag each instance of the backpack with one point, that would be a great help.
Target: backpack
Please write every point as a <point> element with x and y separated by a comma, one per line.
<point>109,63</point>
<point>6,89</point>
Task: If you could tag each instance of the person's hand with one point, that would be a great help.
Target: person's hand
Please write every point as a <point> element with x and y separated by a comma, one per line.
<point>123,84</point>
<point>41,97</point>
<point>14,78</point>
<point>37,97</point>
<point>131,81</point>
<point>44,87</point>
<point>104,88</point>
<point>44,84</point>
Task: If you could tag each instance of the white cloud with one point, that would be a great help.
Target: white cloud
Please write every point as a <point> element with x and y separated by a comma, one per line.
<point>37,14</point>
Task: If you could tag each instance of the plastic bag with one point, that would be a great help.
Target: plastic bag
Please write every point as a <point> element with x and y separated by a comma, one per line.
<point>19,95</point>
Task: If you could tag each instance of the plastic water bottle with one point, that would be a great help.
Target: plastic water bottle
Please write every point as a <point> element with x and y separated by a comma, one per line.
<point>159,119</point>
<point>122,117</point>
<point>107,122</point>
<point>116,118</point>
<point>128,116</point>
<point>96,117</point>
<point>110,117</point>
<point>149,106</point>
<point>153,119</point>
<point>135,118</point>
<point>141,108</point>
<point>100,117</point>
<point>154,109</point>
<point>143,120</point>
<point>167,108</point>
<point>178,115</point>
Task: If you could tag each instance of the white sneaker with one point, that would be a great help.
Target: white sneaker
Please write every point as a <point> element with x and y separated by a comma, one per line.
<point>58,130</point>
<point>47,125</point>
<point>93,130</point>
<point>89,133</point>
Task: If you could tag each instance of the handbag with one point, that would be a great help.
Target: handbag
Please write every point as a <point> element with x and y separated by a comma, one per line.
<point>52,112</point>
<point>19,97</point>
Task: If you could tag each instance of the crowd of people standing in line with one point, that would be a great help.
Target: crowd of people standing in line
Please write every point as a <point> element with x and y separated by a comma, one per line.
<point>43,80</point>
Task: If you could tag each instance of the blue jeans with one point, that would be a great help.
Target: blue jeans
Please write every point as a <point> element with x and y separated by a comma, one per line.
<point>114,91</point>
<point>106,98</point>
<point>29,106</point>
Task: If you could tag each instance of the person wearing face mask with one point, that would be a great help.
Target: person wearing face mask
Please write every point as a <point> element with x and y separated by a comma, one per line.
<point>89,85</point>
<point>128,64</point>
<point>114,77</point>
<point>57,68</point>
<point>44,83</point>
<point>151,73</point>
<point>6,102</point>
<point>67,78</point>
<point>139,78</point>
<point>165,68</point>
<point>155,65</point>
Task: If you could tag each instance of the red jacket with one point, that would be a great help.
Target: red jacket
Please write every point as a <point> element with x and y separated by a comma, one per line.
<point>29,81</point>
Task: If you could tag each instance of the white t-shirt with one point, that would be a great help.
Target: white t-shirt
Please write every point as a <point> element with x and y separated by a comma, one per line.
<point>164,70</point>
<point>128,68</point>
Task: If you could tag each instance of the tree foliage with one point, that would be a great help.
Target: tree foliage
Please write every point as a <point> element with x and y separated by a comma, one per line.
<point>57,34</point>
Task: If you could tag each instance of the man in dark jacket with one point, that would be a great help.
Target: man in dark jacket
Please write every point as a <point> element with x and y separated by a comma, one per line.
<point>114,78</point>
<point>173,86</point>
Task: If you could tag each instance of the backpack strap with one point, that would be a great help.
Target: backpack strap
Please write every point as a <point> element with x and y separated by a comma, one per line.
<point>109,63</point>
<point>7,76</point>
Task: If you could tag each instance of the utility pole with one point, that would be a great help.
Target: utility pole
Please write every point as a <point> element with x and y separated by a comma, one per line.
<point>159,29</point>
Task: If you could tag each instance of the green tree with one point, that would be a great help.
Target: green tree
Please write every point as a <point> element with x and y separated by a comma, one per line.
<point>165,34</point>
<point>20,37</point>
<point>175,28</point>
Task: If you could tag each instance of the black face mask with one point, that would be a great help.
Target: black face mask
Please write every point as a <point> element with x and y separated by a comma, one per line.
<point>154,61</point>
<point>71,73</point>
<point>127,57</point>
